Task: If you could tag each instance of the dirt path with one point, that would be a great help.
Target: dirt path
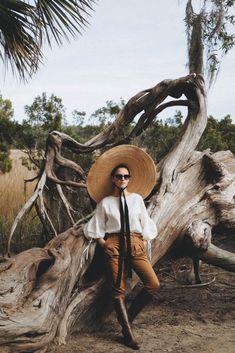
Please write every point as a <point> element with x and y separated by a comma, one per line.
<point>179,320</point>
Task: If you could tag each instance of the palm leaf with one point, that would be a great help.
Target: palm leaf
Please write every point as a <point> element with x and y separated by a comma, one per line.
<point>19,43</point>
<point>60,18</point>
<point>24,27</point>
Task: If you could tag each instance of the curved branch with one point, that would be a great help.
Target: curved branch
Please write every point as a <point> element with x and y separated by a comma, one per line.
<point>31,158</point>
<point>67,205</point>
<point>32,179</point>
<point>199,233</point>
<point>64,162</point>
<point>191,132</point>
<point>146,118</point>
<point>219,257</point>
<point>26,208</point>
<point>64,182</point>
<point>55,141</point>
<point>51,157</point>
<point>147,100</point>
<point>44,213</point>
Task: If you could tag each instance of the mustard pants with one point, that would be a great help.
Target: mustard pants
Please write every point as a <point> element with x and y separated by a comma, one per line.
<point>139,263</point>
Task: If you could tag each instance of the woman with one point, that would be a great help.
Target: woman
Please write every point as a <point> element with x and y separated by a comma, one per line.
<point>118,181</point>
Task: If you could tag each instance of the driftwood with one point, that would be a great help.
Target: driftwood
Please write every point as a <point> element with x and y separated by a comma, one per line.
<point>46,294</point>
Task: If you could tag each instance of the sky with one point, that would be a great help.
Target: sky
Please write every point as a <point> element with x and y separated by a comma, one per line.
<point>129,45</point>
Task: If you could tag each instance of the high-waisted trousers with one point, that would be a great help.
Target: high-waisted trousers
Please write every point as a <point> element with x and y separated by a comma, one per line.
<point>139,263</point>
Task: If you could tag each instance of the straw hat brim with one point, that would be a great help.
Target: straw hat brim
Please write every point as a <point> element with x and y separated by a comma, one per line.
<point>141,166</point>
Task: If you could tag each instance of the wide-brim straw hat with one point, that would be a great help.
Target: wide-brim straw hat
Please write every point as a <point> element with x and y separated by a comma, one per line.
<point>141,166</point>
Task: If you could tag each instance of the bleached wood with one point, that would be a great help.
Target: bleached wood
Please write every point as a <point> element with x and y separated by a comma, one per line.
<point>44,294</point>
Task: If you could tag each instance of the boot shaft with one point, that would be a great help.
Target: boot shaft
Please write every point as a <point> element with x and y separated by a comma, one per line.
<point>123,320</point>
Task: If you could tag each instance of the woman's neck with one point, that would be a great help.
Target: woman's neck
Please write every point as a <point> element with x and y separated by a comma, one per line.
<point>116,192</point>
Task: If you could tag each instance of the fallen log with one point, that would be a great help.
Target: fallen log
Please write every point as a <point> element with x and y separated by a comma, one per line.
<point>46,294</point>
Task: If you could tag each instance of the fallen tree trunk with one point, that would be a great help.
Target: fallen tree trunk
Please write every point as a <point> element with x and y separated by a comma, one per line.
<point>46,294</point>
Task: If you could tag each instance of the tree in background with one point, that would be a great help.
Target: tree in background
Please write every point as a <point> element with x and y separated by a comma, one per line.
<point>6,127</point>
<point>160,136</point>
<point>87,127</point>
<point>44,115</point>
<point>219,135</point>
<point>108,113</point>
<point>78,117</point>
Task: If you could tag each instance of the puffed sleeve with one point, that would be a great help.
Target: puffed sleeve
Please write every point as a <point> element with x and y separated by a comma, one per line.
<point>96,227</point>
<point>149,229</point>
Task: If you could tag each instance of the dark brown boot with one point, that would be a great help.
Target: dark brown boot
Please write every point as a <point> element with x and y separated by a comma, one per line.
<point>122,317</point>
<point>139,302</point>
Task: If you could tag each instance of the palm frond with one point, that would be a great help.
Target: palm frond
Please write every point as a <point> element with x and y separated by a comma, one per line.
<point>24,27</point>
<point>19,42</point>
<point>60,18</point>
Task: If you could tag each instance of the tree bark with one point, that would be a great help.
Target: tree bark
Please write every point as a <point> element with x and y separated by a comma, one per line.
<point>46,294</point>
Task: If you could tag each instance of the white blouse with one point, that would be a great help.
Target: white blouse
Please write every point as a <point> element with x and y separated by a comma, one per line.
<point>107,218</point>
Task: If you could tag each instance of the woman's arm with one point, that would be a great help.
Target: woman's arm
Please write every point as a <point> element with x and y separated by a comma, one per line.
<point>149,229</point>
<point>96,227</point>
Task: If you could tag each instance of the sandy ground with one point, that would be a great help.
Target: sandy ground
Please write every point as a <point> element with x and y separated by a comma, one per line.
<point>179,320</point>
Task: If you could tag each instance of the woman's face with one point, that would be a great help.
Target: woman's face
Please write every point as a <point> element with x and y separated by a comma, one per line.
<point>121,178</point>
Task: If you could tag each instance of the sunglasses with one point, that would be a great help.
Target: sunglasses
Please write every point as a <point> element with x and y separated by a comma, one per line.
<point>122,176</point>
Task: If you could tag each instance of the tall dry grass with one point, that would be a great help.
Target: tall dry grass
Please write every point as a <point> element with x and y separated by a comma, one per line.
<point>13,191</point>
<point>13,194</point>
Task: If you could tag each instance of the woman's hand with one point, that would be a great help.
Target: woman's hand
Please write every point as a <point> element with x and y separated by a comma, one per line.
<point>101,242</point>
<point>145,244</point>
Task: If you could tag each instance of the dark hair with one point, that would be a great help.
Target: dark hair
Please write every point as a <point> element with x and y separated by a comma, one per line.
<point>117,167</point>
